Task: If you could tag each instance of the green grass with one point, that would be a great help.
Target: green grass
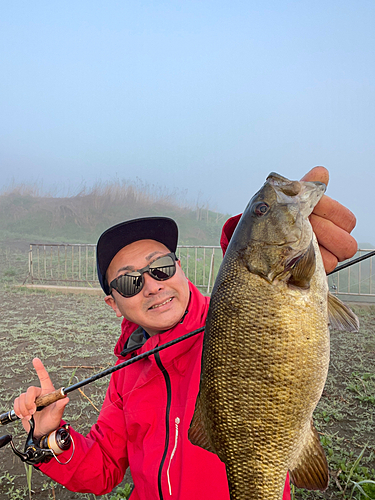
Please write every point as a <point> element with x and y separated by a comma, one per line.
<point>65,332</point>
<point>345,417</point>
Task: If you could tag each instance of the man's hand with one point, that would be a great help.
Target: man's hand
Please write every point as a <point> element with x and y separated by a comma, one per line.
<point>49,418</point>
<point>332,224</point>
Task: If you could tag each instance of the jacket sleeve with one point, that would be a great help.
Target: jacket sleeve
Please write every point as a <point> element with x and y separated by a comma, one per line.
<point>100,459</point>
<point>227,231</point>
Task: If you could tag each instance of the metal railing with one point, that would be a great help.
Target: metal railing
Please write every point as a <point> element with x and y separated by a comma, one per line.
<point>75,264</point>
<point>68,264</point>
<point>356,282</point>
<point>200,264</point>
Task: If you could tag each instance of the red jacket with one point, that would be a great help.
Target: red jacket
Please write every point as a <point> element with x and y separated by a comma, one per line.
<point>144,423</point>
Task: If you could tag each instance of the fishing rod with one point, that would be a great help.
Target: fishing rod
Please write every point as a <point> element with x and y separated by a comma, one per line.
<point>47,399</point>
<point>52,397</point>
<point>43,449</point>
<point>354,261</point>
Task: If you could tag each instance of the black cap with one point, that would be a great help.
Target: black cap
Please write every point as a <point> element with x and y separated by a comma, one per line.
<point>162,229</point>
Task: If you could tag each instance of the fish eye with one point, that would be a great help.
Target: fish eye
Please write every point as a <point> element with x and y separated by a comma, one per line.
<point>261,209</point>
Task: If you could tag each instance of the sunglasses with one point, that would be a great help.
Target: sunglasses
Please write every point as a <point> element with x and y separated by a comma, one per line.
<point>131,283</point>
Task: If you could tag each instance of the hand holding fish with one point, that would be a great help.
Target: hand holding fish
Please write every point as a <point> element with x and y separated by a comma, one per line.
<point>47,420</point>
<point>332,224</point>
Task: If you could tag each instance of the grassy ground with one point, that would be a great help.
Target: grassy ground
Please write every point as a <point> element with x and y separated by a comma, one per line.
<point>74,336</point>
<point>70,333</point>
<point>345,415</point>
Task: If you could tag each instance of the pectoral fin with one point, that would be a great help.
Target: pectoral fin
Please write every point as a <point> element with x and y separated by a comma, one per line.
<point>302,271</point>
<point>340,316</point>
<point>311,469</point>
<point>197,432</point>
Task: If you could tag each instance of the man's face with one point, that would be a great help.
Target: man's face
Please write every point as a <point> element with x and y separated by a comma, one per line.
<point>160,305</point>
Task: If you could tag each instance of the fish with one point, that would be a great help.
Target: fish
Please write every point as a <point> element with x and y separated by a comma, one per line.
<point>266,347</point>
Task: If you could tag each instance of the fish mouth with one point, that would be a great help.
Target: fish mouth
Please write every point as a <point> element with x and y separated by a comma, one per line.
<point>160,304</point>
<point>284,185</point>
<point>305,194</point>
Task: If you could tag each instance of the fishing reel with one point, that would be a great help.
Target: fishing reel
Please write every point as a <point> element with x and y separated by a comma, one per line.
<point>42,450</point>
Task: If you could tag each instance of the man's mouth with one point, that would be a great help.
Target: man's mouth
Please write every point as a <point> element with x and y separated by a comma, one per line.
<point>162,304</point>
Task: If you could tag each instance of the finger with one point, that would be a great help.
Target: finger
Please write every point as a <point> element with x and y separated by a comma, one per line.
<point>16,407</point>
<point>329,260</point>
<point>60,405</point>
<point>17,411</point>
<point>22,404</point>
<point>327,207</point>
<point>317,174</point>
<point>31,394</point>
<point>333,210</point>
<point>45,381</point>
<point>333,238</point>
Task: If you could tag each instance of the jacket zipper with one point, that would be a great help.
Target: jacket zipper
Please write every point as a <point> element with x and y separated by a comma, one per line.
<point>167,413</point>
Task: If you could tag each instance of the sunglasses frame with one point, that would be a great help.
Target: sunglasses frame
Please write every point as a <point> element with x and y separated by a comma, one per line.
<point>146,269</point>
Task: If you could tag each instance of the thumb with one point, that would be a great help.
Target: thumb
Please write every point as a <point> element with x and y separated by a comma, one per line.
<point>317,174</point>
<point>44,379</point>
<point>61,403</point>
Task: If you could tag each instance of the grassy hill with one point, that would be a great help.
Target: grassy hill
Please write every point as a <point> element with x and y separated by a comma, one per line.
<point>26,214</point>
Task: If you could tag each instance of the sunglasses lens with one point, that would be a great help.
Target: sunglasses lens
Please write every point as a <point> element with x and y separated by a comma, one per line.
<point>163,268</point>
<point>129,284</point>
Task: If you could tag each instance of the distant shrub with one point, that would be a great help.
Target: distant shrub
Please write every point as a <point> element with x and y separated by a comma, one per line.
<point>27,213</point>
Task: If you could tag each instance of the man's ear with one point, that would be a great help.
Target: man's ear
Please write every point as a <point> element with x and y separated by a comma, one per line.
<point>110,301</point>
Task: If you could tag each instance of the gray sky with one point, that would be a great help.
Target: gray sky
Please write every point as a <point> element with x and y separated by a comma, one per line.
<point>204,96</point>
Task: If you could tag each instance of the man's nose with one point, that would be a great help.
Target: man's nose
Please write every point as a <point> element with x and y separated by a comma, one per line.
<point>151,286</point>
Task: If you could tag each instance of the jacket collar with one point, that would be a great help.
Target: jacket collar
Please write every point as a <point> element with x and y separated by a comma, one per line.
<point>132,338</point>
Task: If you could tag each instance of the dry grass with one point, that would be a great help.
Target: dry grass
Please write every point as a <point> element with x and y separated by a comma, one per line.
<point>28,211</point>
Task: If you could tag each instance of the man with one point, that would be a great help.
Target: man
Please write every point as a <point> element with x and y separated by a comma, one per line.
<point>149,405</point>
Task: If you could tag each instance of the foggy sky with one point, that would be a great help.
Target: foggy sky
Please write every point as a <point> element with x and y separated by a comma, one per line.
<point>203,96</point>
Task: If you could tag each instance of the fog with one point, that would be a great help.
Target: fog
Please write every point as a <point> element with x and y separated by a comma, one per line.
<point>202,97</point>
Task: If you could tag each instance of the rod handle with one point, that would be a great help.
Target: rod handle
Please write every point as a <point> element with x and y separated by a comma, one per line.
<point>41,402</point>
<point>46,400</point>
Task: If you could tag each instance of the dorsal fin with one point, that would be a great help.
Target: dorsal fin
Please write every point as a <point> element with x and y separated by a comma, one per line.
<point>340,316</point>
<point>311,469</point>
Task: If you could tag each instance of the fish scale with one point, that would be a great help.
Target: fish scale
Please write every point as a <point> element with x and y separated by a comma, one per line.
<point>266,347</point>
